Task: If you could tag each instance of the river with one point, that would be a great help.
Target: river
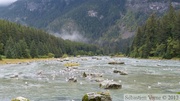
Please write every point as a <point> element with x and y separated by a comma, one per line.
<point>47,80</point>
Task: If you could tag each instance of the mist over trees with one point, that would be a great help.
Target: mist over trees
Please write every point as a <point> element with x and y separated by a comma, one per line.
<point>158,37</point>
<point>18,41</point>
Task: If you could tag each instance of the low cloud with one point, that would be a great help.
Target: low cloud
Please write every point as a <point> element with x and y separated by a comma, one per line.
<point>73,36</point>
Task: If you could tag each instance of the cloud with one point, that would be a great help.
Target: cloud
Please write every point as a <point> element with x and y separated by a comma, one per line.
<point>73,36</point>
<point>6,2</point>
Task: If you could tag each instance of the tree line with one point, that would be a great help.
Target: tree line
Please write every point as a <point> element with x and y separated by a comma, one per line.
<point>17,41</point>
<point>158,37</point>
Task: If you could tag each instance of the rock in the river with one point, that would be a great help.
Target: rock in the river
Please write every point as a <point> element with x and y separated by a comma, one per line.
<point>93,75</point>
<point>72,79</point>
<point>98,79</point>
<point>123,73</point>
<point>120,72</point>
<point>20,99</point>
<point>14,76</point>
<point>100,96</point>
<point>84,75</point>
<point>113,63</point>
<point>108,84</point>
<point>116,71</point>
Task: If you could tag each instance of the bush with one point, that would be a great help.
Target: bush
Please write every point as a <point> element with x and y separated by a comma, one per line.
<point>64,56</point>
<point>51,55</point>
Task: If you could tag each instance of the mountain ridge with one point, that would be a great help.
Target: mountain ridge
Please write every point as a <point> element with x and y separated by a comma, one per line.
<point>108,23</point>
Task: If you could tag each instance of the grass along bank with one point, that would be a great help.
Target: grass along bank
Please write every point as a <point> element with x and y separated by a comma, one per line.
<point>19,61</point>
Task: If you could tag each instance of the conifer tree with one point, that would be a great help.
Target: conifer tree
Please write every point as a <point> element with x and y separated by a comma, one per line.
<point>33,50</point>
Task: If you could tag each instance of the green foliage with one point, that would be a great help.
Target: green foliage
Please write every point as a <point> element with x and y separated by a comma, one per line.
<point>51,55</point>
<point>18,41</point>
<point>64,56</point>
<point>158,37</point>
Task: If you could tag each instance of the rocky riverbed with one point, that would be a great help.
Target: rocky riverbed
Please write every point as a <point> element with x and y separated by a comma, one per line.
<point>54,80</point>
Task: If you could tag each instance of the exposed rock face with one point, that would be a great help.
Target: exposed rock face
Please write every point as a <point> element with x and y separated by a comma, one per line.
<point>20,99</point>
<point>108,84</point>
<point>101,96</point>
<point>149,6</point>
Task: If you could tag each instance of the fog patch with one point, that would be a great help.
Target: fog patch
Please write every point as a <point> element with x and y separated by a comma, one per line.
<point>70,30</point>
<point>73,36</point>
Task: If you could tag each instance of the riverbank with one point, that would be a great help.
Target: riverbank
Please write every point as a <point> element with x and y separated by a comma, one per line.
<point>19,61</point>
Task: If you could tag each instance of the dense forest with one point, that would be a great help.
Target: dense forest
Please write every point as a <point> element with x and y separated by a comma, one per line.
<point>158,37</point>
<point>18,41</point>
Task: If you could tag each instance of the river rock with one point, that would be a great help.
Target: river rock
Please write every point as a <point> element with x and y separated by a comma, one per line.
<point>20,99</point>
<point>98,79</point>
<point>72,79</point>
<point>113,63</point>
<point>14,76</point>
<point>100,96</point>
<point>123,73</point>
<point>95,75</point>
<point>109,84</point>
<point>120,72</point>
<point>84,74</point>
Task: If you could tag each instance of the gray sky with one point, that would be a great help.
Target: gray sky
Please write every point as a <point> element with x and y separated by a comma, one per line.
<point>6,2</point>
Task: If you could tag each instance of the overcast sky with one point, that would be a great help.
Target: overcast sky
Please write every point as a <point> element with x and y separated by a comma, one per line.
<point>6,2</point>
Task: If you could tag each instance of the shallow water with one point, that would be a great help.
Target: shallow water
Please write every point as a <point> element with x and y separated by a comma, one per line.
<point>144,77</point>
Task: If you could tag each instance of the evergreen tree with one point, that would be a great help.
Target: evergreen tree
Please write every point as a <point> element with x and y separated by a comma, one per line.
<point>9,48</point>
<point>24,49</point>
<point>33,50</point>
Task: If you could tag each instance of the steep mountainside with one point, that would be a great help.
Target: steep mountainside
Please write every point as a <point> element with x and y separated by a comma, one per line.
<point>109,23</point>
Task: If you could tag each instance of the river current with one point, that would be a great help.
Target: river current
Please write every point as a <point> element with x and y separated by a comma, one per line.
<point>48,80</point>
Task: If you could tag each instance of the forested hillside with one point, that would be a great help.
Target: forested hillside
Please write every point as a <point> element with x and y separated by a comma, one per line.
<point>108,23</point>
<point>158,37</point>
<point>18,41</point>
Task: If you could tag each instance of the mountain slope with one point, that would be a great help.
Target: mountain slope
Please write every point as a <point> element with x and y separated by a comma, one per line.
<point>109,23</point>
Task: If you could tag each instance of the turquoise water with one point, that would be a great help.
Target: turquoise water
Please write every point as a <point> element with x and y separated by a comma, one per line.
<point>47,80</point>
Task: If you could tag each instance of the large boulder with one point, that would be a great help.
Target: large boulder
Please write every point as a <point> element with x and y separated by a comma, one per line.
<point>20,99</point>
<point>109,84</point>
<point>100,96</point>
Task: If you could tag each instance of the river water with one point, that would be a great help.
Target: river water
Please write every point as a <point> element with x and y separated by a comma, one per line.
<point>47,80</point>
